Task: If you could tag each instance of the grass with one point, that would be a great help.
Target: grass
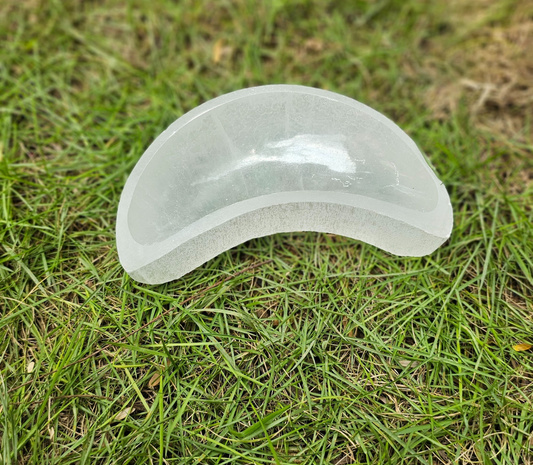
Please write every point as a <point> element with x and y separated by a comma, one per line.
<point>293,348</point>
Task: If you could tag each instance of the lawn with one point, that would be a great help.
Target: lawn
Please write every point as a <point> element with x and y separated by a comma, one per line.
<point>299,348</point>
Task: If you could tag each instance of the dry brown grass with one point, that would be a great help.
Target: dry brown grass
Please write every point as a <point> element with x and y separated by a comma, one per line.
<point>489,68</point>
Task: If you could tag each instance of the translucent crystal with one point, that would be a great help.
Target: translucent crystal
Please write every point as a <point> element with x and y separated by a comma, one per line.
<point>273,159</point>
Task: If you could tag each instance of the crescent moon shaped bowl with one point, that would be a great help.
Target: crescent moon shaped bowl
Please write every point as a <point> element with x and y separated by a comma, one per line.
<point>272,159</point>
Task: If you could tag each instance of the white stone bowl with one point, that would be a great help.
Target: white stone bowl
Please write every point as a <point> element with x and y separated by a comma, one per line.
<point>272,159</point>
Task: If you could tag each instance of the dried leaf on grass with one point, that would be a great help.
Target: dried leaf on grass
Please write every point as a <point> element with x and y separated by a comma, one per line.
<point>124,413</point>
<point>154,380</point>
<point>408,363</point>
<point>217,51</point>
<point>314,45</point>
<point>522,346</point>
<point>220,51</point>
<point>30,367</point>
